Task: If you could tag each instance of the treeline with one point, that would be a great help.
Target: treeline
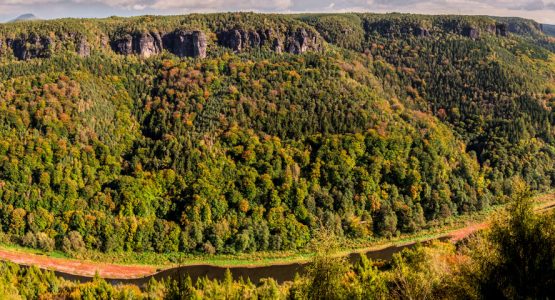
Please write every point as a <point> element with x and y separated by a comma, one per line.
<point>513,260</point>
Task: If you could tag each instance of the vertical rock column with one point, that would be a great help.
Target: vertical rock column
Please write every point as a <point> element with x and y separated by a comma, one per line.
<point>186,43</point>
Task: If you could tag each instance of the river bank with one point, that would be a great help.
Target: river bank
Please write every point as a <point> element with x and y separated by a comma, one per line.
<point>85,270</point>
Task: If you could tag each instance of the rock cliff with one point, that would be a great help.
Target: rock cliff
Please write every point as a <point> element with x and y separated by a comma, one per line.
<point>471,32</point>
<point>82,47</point>
<point>186,43</point>
<point>147,42</point>
<point>297,41</point>
<point>501,29</point>
<point>31,46</point>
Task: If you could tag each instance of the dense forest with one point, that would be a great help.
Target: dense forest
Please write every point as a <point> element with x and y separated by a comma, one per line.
<point>512,260</point>
<point>230,133</point>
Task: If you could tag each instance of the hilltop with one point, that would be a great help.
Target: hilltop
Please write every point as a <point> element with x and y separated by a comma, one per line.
<point>25,17</point>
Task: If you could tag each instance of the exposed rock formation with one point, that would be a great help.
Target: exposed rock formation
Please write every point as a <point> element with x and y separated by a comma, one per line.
<point>421,32</point>
<point>186,43</point>
<point>182,43</point>
<point>144,44</point>
<point>277,46</point>
<point>471,32</point>
<point>491,29</point>
<point>104,41</point>
<point>301,41</point>
<point>297,42</point>
<point>30,47</point>
<point>82,47</point>
<point>123,45</point>
<point>147,44</point>
<point>501,29</point>
<point>199,44</point>
<point>240,40</point>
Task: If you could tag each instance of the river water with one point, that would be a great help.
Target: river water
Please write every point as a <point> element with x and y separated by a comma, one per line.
<point>279,272</point>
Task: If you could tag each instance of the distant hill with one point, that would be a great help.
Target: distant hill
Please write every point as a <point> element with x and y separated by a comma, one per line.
<point>548,29</point>
<point>25,17</point>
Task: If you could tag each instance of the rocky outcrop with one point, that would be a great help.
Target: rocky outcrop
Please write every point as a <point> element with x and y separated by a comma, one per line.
<point>471,32</point>
<point>498,29</point>
<point>104,41</point>
<point>183,43</point>
<point>277,46</point>
<point>32,46</point>
<point>186,43</point>
<point>123,45</point>
<point>199,44</point>
<point>239,40</point>
<point>147,44</point>
<point>501,29</point>
<point>421,32</point>
<point>82,47</point>
<point>296,42</point>
<point>301,41</point>
<point>143,44</point>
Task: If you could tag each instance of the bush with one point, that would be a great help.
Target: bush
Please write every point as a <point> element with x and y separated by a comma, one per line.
<point>29,240</point>
<point>73,242</point>
<point>517,260</point>
<point>44,242</point>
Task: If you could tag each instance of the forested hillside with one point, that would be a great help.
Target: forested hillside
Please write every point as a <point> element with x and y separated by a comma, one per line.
<point>548,29</point>
<point>230,133</point>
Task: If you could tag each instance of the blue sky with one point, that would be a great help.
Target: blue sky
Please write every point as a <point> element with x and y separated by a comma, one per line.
<point>539,10</point>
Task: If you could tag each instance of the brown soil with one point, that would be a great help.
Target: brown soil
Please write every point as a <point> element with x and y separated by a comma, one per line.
<point>78,267</point>
<point>462,233</point>
<point>548,203</point>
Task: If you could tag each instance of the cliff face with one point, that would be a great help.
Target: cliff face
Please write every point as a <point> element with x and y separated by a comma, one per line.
<point>239,40</point>
<point>147,44</point>
<point>186,43</point>
<point>471,32</point>
<point>240,33</point>
<point>143,44</point>
<point>302,41</point>
<point>501,29</point>
<point>297,42</point>
<point>82,47</point>
<point>181,43</point>
<point>123,45</point>
<point>32,46</point>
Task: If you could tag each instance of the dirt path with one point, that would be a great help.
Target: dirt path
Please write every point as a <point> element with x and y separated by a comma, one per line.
<point>77,267</point>
<point>547,202</point>
<point>462,233</point>
<point>117,271</point>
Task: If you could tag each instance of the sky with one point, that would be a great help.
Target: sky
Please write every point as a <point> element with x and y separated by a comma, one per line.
<point>540,10</point>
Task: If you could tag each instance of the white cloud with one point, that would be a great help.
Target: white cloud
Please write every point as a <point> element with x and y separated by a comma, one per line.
<point>541,10</point>
<point>222,4</point>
